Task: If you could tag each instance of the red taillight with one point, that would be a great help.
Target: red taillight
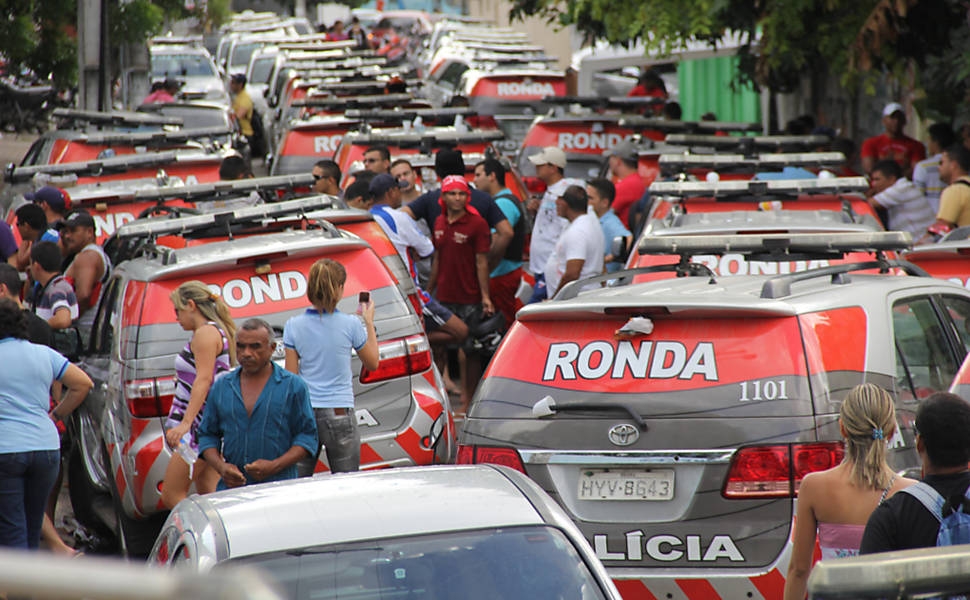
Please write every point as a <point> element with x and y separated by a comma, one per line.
<point>150,397</point>
<point>405,356</point>
<point>476,455</point>
<point>777,471</point>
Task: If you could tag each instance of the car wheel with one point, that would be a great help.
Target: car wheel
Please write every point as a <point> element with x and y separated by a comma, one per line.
<point>83,494</point>
<point>135,536</point>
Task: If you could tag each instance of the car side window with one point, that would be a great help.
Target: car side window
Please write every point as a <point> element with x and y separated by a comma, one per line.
<point>958,309</point>
<point>452,75</point>
<point>102,332</point>
<point>925,363</point>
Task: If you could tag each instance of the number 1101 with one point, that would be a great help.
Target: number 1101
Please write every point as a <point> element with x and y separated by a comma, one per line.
<point>766,390</point>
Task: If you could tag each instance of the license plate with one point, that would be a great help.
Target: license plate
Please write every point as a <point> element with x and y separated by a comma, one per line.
<point>606,484</point>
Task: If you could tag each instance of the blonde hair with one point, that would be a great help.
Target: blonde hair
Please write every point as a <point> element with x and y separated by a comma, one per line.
<point>212,307</point>
<point>326,278</point>
<point>868,416</point>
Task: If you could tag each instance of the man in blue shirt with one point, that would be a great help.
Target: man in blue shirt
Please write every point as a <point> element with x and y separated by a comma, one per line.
<point>257,414</point>
<point>601,193</point>
<point>505,278</point>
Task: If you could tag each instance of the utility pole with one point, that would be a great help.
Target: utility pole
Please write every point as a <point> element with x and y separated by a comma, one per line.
<point>92,19</point>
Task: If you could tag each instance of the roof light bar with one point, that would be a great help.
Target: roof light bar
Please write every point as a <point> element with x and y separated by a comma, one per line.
<point>117,118</point>
<point>362,100</point>
<point>317,43</point>
<point>167,225</point>
<point>602,101</point>
<point>675,162</point>
<point>117,164</point>
<point>778,243</point>
<point>689,126</point>
<point>433,136</point>
<point>686,189</point>
<point>153,138</point>
<point>407,114</point>
<point>762,142</point>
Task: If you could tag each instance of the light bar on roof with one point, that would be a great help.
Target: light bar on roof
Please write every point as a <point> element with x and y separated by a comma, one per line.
<point>139,138</point>
<point>317,44</point>
<point>409,113</point>
<point>167,225</point>
<point>326,64</point>
<point>104,165</point>
<point>718,161</point>
<point>363,100</point>
<point>653,123</point>
<point>838,185</point>
<point>427,160</point>
<point>116,117</point>
<point>416,137</point>
<point>757,141</point>
<point>784,243</point>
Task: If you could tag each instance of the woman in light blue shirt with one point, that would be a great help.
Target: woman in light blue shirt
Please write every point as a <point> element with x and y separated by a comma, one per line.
<point>29,444</point>
<point>318,347</point>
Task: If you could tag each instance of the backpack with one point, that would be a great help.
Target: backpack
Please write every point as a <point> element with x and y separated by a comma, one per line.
<point>953,513</point>
<point>524,216</point>
<point>257,143</point>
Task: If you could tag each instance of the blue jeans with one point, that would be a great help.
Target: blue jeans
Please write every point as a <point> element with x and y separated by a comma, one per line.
<point>26,480</point>
<point>539,289</point>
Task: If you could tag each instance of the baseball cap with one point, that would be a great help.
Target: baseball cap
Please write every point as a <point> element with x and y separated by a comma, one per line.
<point>53,196</point>
<point>383,182</point>
<point>79,218</point>
<point>893,107</point>
<point>454,183</point>
<point>626,150</point>
<point>550,155</point>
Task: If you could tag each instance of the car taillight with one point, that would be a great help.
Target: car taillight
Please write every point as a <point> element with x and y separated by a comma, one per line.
<point>150,397</point>
<point>777,471</point>
<point>476,455</point>
<point>404,356</point>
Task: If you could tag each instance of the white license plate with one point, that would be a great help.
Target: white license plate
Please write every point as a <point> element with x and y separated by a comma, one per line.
<point>607,484</point>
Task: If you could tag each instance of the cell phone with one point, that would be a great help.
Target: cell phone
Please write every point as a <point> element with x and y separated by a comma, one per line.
<point>363,297</point>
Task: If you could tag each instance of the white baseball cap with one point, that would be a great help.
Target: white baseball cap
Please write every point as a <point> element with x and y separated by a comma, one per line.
<point>550,155</point>
<point>893,107</point>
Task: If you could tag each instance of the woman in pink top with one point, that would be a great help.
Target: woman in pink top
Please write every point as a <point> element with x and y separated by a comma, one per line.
<point>837,503</point>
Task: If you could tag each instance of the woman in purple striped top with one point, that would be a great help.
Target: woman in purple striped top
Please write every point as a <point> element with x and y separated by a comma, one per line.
<point>209,353</point>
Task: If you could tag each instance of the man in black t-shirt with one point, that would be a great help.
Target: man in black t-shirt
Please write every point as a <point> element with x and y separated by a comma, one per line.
<point>427,206</point>
<point>902,522</point>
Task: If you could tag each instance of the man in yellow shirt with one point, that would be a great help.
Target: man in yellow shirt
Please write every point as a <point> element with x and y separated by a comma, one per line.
<point>242,104</point>
<point>955,200</point>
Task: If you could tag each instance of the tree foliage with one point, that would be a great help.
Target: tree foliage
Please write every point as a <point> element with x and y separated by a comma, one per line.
<point>40,35</point>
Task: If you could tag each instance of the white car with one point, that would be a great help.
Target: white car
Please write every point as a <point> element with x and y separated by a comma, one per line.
<point>423,532</point>
<point>193,67</point>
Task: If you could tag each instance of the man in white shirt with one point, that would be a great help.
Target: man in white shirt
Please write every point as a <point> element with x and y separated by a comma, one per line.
<point>579,251</point>
<point>550,166</point>
<point>926,173</point>
<point>908,208</point>
<point>400,228</point>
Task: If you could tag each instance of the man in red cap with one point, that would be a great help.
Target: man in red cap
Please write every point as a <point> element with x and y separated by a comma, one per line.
<point>459,269</point>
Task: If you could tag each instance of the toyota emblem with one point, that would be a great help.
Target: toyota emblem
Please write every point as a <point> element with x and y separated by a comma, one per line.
<point>624,434</point>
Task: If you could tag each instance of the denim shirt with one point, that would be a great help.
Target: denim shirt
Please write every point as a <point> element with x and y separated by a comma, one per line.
<point>281,419</point>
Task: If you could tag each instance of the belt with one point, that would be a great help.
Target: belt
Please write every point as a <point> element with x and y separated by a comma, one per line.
<point>341,411</point>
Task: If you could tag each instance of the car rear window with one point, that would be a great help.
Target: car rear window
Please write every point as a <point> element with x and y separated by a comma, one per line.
<point>274,296</point>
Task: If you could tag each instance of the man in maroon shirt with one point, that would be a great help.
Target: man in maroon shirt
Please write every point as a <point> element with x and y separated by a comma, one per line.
<point>459,269</point>
<point>629,185</point>
<point>894,144</point>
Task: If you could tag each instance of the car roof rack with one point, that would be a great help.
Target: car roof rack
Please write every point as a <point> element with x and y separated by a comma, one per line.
<point>748,144</point>
<point>781,187</point>
<point>350,86</point>
<point>316,44</point>
<point>326,62</point>
<point>169,225</point>
<point>362,71</point>
<point>223,189</point>
<point>675,163</point>
<point>154,138</point>
<point>408,114</point>
<point>101,166</point>
<point>68,118</point>
<point>432,137</point>
<point>351,101</point>
<point>753,222</point>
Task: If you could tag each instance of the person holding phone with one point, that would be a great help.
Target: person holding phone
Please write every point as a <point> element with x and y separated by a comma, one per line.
<point>318,345</point>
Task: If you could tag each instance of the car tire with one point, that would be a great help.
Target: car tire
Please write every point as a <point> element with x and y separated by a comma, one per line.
<point>83,492</point>
<point>135,536</point>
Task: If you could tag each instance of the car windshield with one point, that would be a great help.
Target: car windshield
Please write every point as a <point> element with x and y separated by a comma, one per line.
<point>181,65</point>
<point>242,53</point>
<point>262,69</point>
<point>515,562</point>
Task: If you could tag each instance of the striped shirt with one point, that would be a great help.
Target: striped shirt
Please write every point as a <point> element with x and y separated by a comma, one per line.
<point>57,294</point>
<point>185,377</point>
<point>926,176</point>
<point>908,208</point>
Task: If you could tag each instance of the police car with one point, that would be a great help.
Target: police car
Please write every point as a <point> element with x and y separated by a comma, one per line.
<point>402,410</point>
<point>435,532</point>
<point>674,419</point>
<point>946,259</point>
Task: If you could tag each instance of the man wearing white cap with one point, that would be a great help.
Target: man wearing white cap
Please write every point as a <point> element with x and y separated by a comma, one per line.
<point>550,166</point>
<point>894,144</point>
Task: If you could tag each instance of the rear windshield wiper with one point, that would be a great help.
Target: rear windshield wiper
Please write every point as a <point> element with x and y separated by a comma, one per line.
<point>548,407</point>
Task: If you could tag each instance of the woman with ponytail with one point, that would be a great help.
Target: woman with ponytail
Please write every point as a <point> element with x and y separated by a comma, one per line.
<point>209,353</point>
<point>836,504</point>
<point>318,347</point>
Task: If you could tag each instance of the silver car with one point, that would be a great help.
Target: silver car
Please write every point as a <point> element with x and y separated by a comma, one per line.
<point>424,532</point>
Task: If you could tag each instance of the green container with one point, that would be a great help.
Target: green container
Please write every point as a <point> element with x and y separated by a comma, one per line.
<point>705,86</point>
